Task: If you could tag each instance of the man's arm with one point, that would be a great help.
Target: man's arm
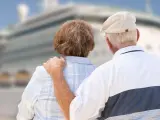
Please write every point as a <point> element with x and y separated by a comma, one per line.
<point>63,94</point>
<point>61,89</point>
<point>90,97</point>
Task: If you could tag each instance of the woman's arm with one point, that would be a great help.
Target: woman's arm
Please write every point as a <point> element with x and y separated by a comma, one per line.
<point>29,97</point>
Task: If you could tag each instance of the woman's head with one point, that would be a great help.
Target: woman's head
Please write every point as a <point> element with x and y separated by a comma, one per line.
<point>74,38</point>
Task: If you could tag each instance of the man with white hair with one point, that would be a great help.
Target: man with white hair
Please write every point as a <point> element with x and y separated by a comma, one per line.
<point>125,88</point>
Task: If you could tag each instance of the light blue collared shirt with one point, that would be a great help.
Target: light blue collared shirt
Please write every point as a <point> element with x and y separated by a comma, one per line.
<point>38,100</point>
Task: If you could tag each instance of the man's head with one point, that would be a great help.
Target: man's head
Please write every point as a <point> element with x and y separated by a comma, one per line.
<point>120,31</point>
<point>74,38</point>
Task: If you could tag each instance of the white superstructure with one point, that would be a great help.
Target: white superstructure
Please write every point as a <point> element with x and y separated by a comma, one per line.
<point>30,42</point>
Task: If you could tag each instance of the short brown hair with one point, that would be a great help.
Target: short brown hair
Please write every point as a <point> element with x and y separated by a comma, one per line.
<point>74,38</point>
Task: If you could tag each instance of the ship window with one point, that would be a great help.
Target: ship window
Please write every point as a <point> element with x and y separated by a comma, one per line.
<point>22,75</point>
<point>4,76</point>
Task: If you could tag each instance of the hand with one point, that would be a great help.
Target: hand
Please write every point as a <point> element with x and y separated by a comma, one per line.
<point>54,66</point>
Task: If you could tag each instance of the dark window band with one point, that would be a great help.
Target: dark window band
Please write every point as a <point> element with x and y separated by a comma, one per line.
<point>41,27</point>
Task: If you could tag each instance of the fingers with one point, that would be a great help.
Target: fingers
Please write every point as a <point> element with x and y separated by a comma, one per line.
<point>46,66</point>
<point>62,58</point>
<point>55,61</point>
<point>55,64</point>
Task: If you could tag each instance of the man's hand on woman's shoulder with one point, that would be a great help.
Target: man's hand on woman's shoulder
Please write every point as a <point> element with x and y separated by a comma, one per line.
<point>54,66</point>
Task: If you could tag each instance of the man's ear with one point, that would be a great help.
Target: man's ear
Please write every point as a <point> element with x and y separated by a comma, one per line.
<point>109,43</point>
<point>138,34</point>
<point>112,48</point>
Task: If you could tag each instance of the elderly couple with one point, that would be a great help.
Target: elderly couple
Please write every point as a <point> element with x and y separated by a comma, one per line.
<point>71,88</point>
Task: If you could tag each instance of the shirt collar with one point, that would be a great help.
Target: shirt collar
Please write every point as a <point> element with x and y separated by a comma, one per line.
<point>81,60</point>
<point>127,49</point>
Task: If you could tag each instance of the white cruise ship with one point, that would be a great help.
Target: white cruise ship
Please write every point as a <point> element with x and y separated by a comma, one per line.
<point>30,41</point>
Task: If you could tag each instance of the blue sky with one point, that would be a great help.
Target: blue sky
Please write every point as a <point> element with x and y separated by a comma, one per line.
<point>8,11</point>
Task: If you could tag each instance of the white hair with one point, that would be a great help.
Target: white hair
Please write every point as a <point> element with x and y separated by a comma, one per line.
<point>122,38</point>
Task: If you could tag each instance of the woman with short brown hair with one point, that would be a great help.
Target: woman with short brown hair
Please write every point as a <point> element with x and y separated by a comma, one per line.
<point>74,40</point>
